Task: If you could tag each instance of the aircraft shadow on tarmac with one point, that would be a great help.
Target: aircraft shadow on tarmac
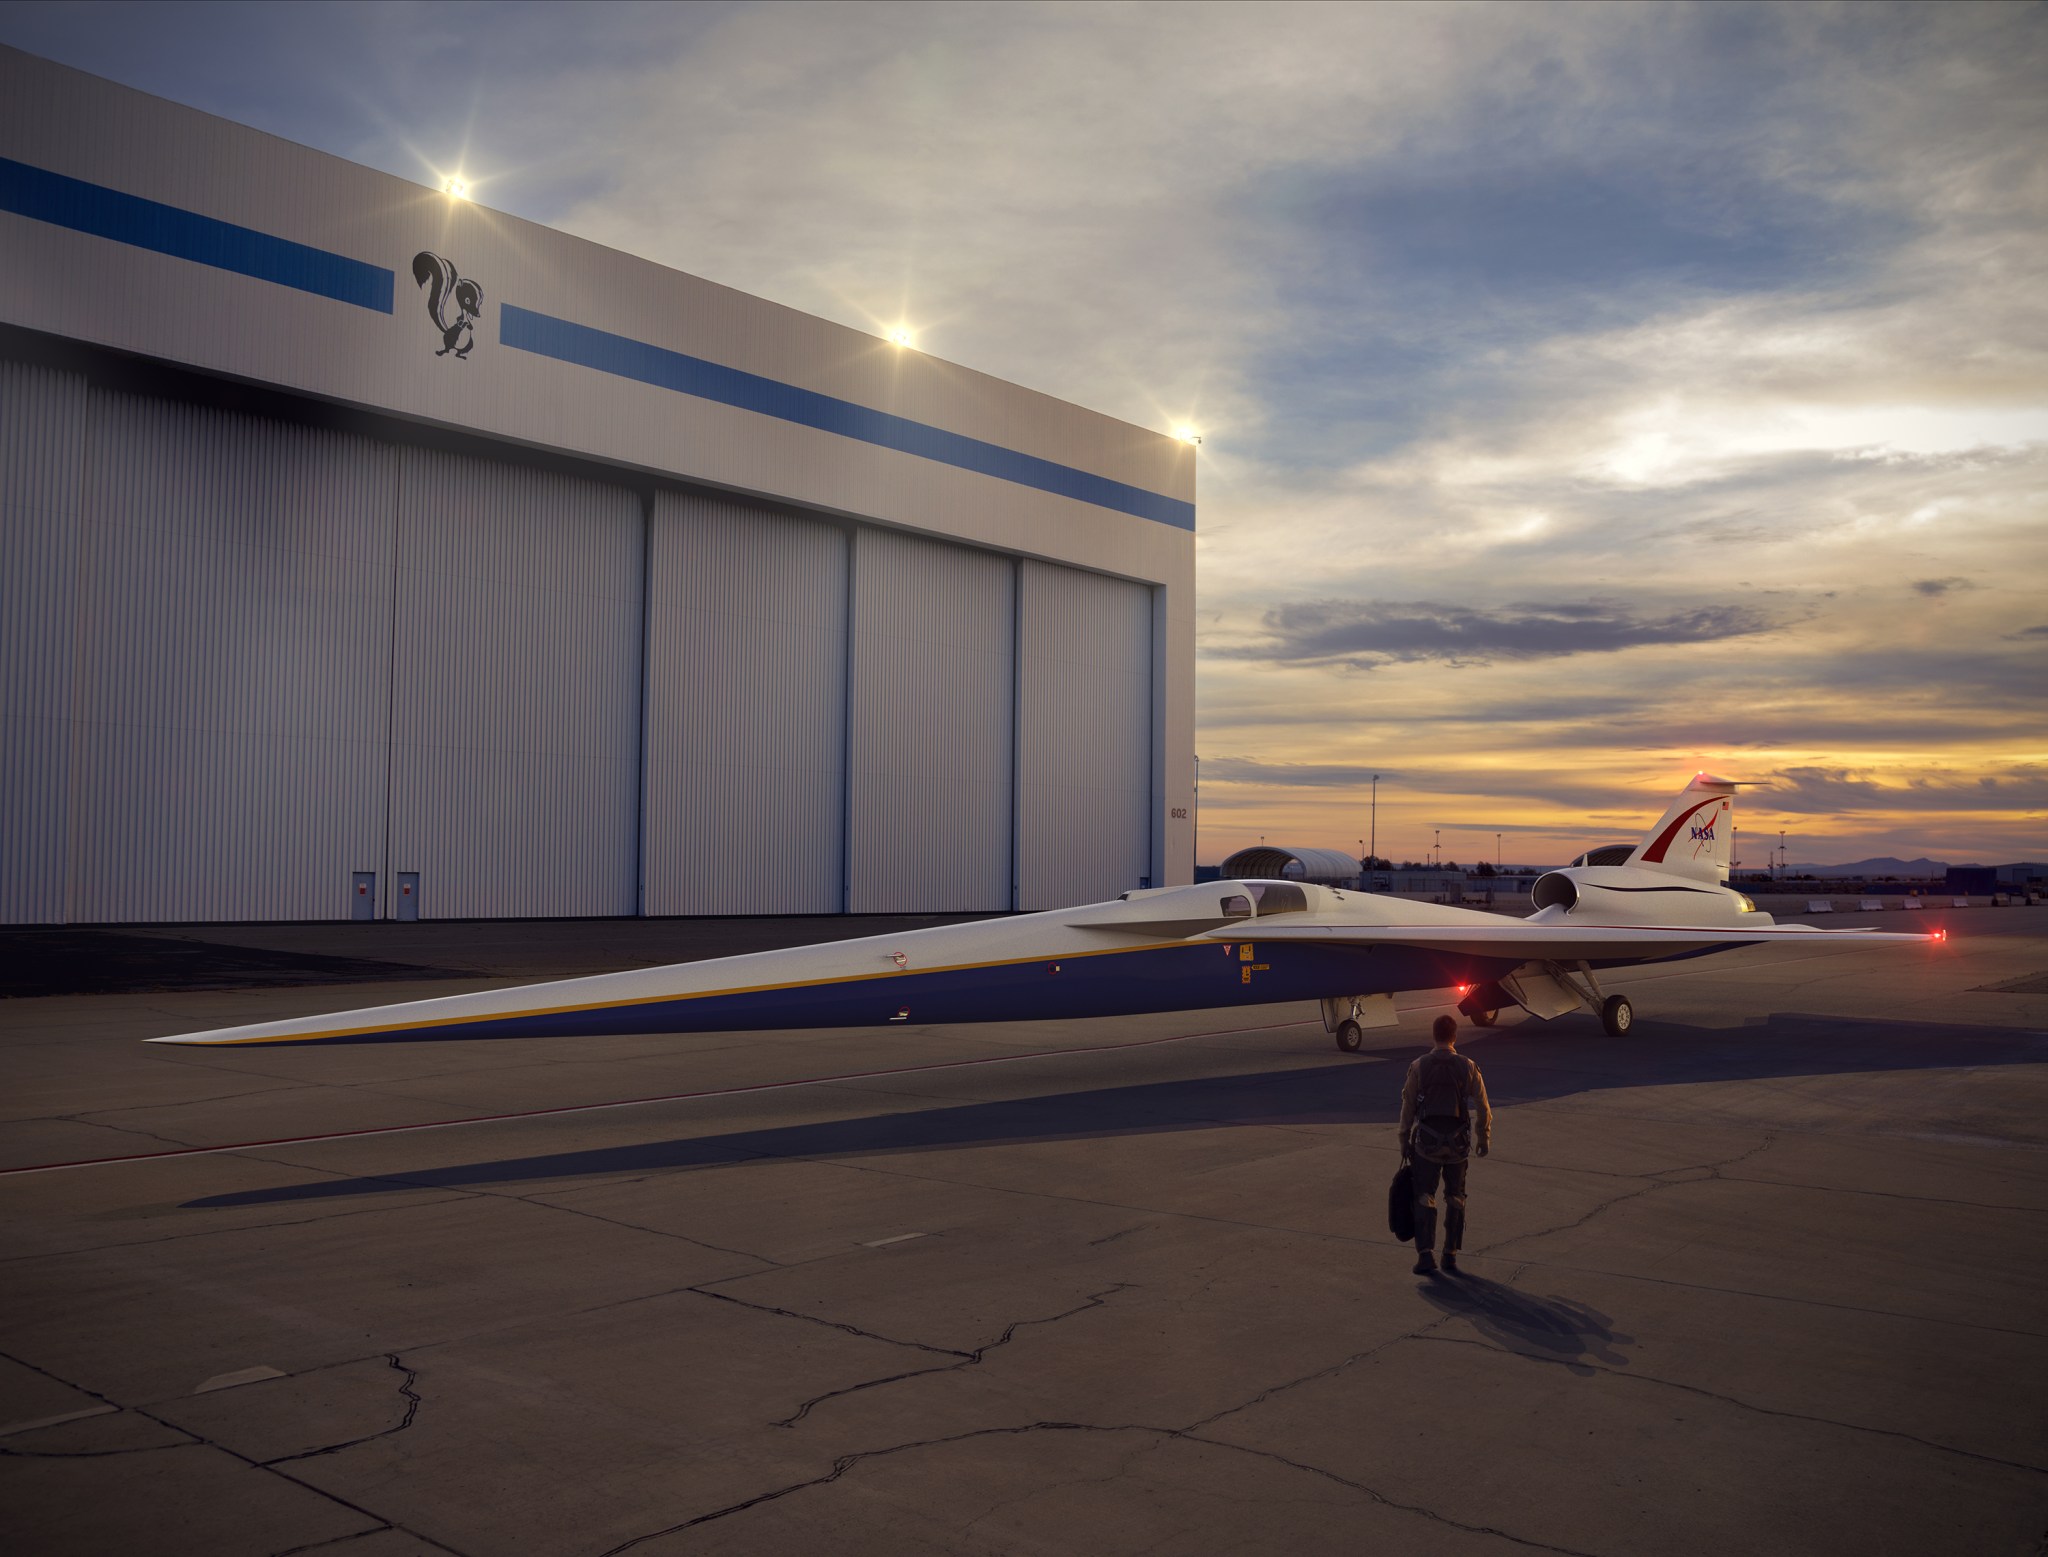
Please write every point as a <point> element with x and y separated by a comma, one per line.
<point>1522,1065</point>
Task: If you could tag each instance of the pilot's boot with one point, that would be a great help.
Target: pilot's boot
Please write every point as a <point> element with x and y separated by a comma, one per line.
<point>1450,1262</point>
<point>1425,1263</point>
<point>1425,1236</point>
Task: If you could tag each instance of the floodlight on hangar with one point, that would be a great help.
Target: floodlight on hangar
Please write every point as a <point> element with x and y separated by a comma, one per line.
<point>455,186</point>
<point>902,335</point>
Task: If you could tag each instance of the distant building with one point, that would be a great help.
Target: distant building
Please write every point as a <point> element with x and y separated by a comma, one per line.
<point>1995,878</point>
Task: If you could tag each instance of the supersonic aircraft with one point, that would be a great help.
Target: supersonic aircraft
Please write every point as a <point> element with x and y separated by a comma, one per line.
<point>1169,949</point>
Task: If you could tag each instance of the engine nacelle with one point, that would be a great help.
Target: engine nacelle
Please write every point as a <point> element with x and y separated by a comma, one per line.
<point>1632,894</point>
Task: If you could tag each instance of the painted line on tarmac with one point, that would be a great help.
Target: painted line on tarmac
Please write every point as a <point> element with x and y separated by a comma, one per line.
<point>637,1102</point>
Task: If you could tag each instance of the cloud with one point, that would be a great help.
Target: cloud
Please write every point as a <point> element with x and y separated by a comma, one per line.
<point>1847,792</point>
<point>1310,775</point>
<point>1600,379</point>
<point>1364,633</point>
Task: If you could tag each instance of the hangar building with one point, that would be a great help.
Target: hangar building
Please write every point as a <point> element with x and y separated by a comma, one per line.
<point>365,552</point>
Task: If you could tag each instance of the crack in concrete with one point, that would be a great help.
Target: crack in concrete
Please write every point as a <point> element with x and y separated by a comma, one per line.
<point>967,1359</point>
<point>405,1388</point>
<point>1330,1371</point>
<point>92,1115</point>
<point>1096,1243</point>
<point>844,1463</point>
<point>315,1546</point>
<point>191,1442</point>
<point>1734,1400</point>
<point>201,1440</point>
<point>830,1324</point>
<point>658,1232</point>
<point>1887,1194</point>
<point>1663,1179</point>
<point>1117,1471</point>
<point>238,1227</point>
<point>1778,1297</point>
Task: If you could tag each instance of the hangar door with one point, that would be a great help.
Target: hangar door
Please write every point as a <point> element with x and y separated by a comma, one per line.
<point>207,640</point>
<point>746,699</point>
<point>929,737</point>
<point>1084,722</point>
<point>515,690</point>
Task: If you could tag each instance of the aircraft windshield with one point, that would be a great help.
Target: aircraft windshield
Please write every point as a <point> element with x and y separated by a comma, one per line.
<point>1279,897</point>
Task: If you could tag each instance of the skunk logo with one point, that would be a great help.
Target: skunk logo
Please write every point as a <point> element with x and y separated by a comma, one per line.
<point>445,289</point>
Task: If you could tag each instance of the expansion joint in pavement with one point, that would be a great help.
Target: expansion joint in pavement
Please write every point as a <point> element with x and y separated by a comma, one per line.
<point>846,1462</point>
<point>1580,1364</point>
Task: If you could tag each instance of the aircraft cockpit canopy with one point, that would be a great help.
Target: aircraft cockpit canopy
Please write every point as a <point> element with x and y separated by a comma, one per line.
<point>1278,897</point>
<point>1606,854</point>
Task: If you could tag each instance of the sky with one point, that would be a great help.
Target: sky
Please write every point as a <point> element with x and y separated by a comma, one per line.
<point>1590,394</point>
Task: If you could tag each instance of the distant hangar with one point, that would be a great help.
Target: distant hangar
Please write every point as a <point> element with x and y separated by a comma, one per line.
<point>367,552</point>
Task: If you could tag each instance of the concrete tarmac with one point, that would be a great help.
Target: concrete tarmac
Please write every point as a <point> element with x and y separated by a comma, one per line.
<point>1770,1275</point>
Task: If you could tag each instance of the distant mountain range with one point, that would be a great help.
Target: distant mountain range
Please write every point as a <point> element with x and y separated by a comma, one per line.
<point>1887,866</point>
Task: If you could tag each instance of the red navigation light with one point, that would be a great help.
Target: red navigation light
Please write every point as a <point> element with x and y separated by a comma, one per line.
<point>1464,989</point>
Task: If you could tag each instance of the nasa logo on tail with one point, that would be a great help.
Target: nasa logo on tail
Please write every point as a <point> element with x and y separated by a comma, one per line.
<point>1703,837</point>
<point>449,292</point>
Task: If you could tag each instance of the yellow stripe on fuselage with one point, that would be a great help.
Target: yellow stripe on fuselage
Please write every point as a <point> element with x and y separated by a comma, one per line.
<point>702,994</point>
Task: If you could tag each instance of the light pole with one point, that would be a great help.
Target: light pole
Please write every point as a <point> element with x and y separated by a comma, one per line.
<point>1374,851</point>
<point>1496,854</point>
<point>1438,846</point>
<point>1195,847</point>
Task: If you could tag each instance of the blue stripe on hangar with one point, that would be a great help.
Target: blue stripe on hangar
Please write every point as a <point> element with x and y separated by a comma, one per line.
<point>546,336</point>
<point>95,209</point>
<point>149,224</point>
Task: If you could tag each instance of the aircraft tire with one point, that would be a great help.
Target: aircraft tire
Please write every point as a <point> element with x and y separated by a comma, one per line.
<point>1350,1036</point>
<point>1617,1015</point>
<point>1483,1018</point>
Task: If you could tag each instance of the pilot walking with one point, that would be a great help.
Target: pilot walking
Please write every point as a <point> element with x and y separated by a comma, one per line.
<point>1443,1103</point>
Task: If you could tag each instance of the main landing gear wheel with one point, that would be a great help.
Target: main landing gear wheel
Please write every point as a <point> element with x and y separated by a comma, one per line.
<point>1483,1018</point>
<point>1349,1036</point>
<point>1617,1015</point>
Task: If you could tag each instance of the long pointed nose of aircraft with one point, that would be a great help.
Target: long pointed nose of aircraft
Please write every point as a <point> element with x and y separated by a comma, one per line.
<point>608,1002</point>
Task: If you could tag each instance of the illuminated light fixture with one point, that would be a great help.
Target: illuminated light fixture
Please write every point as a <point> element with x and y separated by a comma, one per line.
<point>455,187</point>
<point>1187,435</point>
<point>902,335</point>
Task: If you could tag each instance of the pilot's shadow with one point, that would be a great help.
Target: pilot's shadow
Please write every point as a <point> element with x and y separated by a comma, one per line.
<point>1552,1328</point>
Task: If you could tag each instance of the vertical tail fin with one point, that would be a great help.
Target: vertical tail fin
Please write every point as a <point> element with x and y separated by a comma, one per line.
<point>1695,836</point>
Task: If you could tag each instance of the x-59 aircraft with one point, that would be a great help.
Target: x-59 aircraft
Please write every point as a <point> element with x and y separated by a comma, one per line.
<point>1223,943</point>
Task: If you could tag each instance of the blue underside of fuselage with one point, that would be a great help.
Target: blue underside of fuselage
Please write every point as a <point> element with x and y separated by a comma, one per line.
<point>1166,978</point>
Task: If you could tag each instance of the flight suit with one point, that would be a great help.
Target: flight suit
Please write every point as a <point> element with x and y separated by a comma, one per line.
<point>1444,1114</point>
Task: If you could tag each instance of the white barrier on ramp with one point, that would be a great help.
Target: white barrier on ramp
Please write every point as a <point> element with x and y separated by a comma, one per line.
<point>1870,905</point>
<point>1912,902</point>
<point>1820,905</point>
<point>1962,902</point>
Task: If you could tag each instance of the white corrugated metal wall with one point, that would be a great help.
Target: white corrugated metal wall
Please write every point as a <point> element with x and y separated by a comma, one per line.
<point>1084,736</point>
<point>746,700</point>
<point>929,744</point>
<point>245,658</point>
<point>515,711</point>
<point>42,466</point>
<point>232,626</point>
